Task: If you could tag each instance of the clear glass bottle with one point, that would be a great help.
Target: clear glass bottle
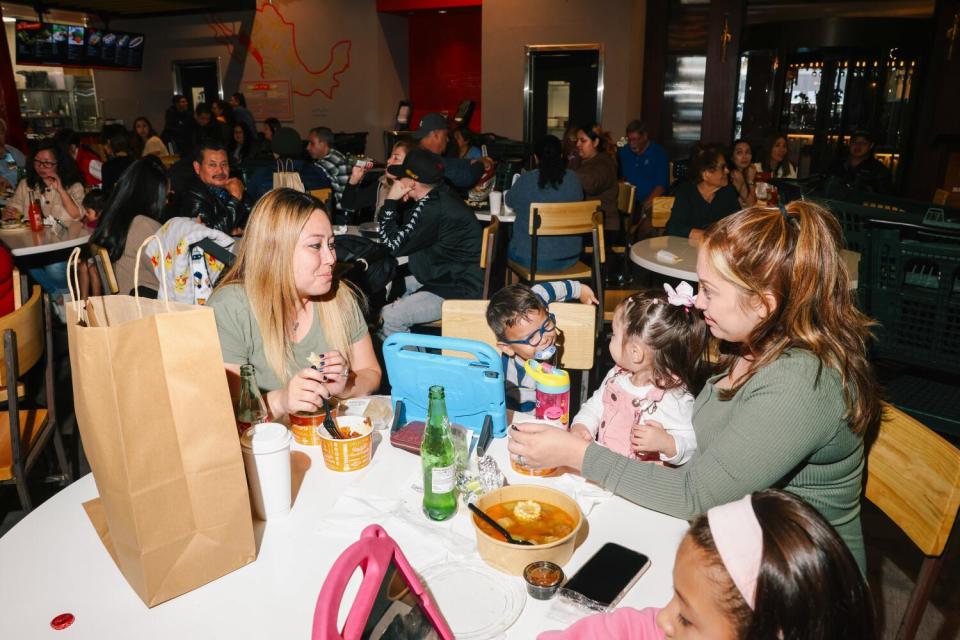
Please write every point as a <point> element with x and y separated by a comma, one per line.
<point>439,460</point>
<point>251,409</point>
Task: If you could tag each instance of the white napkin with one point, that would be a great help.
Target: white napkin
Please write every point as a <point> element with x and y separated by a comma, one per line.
<point>423,541</point>
<point>666,256</point>
<point>587,494</point>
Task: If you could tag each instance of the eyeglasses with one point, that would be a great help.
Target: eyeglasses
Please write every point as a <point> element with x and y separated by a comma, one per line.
<point>535,338</point>
<point>46,164</point>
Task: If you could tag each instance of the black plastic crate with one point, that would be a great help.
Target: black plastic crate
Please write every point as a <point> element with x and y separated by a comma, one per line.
<point>914,293</point>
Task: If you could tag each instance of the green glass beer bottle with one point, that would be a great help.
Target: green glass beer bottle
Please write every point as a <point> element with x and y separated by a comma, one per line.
<point>439,460</point>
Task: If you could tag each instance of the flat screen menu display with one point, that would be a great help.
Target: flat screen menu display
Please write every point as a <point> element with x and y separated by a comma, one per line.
<point>61,44</point>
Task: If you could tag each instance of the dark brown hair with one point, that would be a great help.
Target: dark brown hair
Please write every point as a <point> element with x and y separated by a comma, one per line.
<point>509,305</point>
<point>677,335</point>
<point>809,586</point>
<point>795,257</point>
<point>705,158</point>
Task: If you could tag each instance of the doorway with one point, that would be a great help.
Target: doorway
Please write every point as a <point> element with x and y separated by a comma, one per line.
<point>198,80</point>
<point>563,86</point>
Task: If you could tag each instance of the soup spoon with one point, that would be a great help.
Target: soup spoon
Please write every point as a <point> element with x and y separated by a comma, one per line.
<point>496,525</point>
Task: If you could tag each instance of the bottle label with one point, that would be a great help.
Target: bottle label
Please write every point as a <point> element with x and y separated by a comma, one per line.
<point>441,479</point>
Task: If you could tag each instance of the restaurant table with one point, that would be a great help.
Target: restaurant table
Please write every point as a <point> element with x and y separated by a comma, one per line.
<point>644,253</point>
<point>53,562</point>
<point>24,242</point>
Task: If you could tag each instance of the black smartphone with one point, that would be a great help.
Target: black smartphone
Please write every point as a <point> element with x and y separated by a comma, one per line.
<point>609,574</point>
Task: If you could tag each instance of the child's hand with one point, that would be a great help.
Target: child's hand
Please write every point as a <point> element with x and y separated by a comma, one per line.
<point>652,437</point>
<point>581,431</point>
<point>587,296</point>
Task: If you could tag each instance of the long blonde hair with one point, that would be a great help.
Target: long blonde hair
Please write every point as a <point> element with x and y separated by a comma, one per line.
<point>264,268</point>
<point>794,255</point>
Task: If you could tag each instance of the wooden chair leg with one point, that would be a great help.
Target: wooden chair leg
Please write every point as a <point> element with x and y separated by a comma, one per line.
<point>20,479</point>
<point>920,597</point>
<point>62,456</point>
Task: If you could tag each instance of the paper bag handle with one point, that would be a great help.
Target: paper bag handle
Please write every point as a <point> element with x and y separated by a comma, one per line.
<point>73,283</point>
<point>284,165</point>
<point>163,273</point>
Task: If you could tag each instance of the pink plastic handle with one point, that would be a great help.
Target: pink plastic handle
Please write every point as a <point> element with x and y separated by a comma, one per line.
<point>372,554</point>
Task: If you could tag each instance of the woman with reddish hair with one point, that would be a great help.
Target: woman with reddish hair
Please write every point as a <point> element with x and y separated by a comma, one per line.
<point>793,394</point>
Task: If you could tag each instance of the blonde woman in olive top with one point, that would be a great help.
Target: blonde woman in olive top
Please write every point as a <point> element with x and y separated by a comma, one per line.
<point>279,303</point>
<point>790,404</point>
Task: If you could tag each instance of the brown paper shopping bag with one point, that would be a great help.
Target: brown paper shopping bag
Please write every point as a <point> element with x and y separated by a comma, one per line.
<point>286,176</point>
<point>158,429</point>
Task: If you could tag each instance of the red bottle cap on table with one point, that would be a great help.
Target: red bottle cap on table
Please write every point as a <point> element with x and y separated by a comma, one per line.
<point>62,621</point>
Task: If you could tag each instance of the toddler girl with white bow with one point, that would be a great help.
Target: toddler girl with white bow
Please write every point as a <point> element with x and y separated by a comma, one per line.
<point>644,406</point>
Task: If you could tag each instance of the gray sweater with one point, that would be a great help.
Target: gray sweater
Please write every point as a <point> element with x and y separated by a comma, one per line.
<point>784,428</point>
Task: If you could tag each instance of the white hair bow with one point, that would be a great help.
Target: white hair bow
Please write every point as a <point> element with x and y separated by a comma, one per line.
<point>682,296</point>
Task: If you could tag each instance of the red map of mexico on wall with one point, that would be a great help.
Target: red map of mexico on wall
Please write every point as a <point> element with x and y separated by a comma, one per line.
<point>272,47</point>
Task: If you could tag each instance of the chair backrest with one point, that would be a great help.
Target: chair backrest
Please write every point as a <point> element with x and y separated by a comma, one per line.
<point>323,195</point>
<point>468,319</point>
<point>108,278</point>
<point>562,218</point>
<point>27,323</point>
<point>662,206</point>
<point>488,248</point>
<point>913,476</point>
<point>626,198</point>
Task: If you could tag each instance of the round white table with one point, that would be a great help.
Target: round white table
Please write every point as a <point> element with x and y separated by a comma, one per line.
<point>645,253</point>
<point>24,242</point>
<point>53,562</point>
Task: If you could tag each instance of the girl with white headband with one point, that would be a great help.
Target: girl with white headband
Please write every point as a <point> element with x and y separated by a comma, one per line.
<point>766,566</point>
<point>793,393</point>
<point>657,345</point>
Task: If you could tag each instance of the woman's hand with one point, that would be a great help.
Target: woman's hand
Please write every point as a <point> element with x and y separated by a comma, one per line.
<point>587,296</point>
<point>54,183</point>
<point>651,437</point>
<point>544,446</point>
<point>335,371</point>
<point>303,393</point>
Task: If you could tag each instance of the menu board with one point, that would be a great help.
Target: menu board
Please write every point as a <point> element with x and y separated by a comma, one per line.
<point>60,44</point>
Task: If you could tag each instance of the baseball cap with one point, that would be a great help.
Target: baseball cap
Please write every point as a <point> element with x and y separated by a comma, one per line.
<point>286,143</point>
<point>428,123</point>
<point>420,165</point>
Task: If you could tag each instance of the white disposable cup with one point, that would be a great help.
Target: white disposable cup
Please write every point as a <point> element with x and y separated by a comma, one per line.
<point>507,211</point>
<point>496,202</point>
<point>266,457</point>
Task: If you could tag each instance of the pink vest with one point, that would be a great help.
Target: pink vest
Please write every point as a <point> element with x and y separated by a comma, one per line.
<point>622,410</point>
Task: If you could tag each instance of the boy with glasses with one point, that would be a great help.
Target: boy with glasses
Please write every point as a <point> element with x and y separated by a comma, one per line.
<point>525,329</point>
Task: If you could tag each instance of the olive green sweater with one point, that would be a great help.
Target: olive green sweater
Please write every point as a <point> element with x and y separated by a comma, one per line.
<point>784,428</point>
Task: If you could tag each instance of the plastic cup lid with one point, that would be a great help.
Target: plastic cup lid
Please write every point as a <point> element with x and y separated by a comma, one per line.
<point>265,437</point>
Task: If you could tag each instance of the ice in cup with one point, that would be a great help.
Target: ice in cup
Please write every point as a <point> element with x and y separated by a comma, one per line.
<point>266,458</point>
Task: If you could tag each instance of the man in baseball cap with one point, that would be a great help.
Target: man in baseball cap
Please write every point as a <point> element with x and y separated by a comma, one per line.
<point>433,135</point>
<point>441,236</point>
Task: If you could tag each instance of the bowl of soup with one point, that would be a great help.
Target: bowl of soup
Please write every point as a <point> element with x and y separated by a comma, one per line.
<point>548,518</point>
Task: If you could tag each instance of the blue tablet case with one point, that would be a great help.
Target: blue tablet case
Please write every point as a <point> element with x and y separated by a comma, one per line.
<point>474,388</point>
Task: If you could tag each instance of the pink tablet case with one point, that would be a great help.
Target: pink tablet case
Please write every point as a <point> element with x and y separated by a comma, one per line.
<point>373,555</point>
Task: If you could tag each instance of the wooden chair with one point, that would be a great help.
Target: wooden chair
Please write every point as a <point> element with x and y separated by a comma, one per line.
<point>488,251</point>
<point>323,195</point>
<point>913,476</point>
<point>468,319</point>
<point>564,219</point>
<point>662,206</point>
<point>108,279</point>
<point>24,433</point>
